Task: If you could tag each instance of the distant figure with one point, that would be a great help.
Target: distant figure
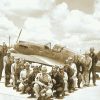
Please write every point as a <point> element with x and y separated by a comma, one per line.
<point>1,63</point>
<point>4,48</point>
<point>93,67</point>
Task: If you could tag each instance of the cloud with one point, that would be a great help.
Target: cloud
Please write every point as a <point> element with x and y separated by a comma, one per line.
<point>86,6</point>
<point>37,29</point>
<point>30,4</point>
<point>46,27</point>
<point>69,28</point>
<point>27,6</point>
<point>21,9</point>
<point>97,10</point>
<point>79,22</point>
<point>75,22</point>
<point>57,16</point>
<point>74,28</point>
<point>7,28</point>
<point>46,21</point>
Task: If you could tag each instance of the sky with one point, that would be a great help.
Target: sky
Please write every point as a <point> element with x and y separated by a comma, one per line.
<point>74,24</point>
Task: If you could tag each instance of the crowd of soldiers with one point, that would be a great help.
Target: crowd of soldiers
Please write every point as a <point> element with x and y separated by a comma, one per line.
<point>36,80</point>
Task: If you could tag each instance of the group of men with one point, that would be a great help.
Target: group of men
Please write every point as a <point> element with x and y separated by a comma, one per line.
<point>35,79</point>
<point>85,66</point>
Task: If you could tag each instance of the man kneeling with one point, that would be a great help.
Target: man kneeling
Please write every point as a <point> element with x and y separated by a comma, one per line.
<point>58,82</point>
<point>43,85</point>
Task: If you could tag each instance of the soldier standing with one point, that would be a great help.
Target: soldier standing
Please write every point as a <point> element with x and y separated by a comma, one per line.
<point>65,78</point>
<point>79,65</point>
<point>93,67</point>
<point>87,65</point>
<point>7,65</point>
<point>72,75</point>
<point>1,63</point>
<point>15,72</point>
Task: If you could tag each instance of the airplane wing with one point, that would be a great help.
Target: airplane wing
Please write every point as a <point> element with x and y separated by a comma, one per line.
<point>37,59</point>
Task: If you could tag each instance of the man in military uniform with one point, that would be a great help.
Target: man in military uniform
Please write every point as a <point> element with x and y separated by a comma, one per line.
<point>79,65</point>
<point>24,74</point>
<point>7,65</point>
<point>93,67</point>
<point>72,75</point>
<point>31,81</point>
<point>87,61</point>
<point>22,62</point>
<point>43,85</point>
<point>65,78</point>
<point>1,63</point>
<point>15,72</point>
<point>58,82</point>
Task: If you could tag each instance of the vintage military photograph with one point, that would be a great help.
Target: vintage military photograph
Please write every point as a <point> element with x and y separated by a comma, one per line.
<point>49,50</point>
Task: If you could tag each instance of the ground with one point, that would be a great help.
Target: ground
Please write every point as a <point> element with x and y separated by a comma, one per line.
<point>86,93</point>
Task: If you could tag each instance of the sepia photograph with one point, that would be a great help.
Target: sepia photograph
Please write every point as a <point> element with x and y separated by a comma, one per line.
<point>49,49</point>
